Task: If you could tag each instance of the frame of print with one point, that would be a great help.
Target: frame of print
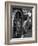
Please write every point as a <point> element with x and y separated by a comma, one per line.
<point>20,22</point>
